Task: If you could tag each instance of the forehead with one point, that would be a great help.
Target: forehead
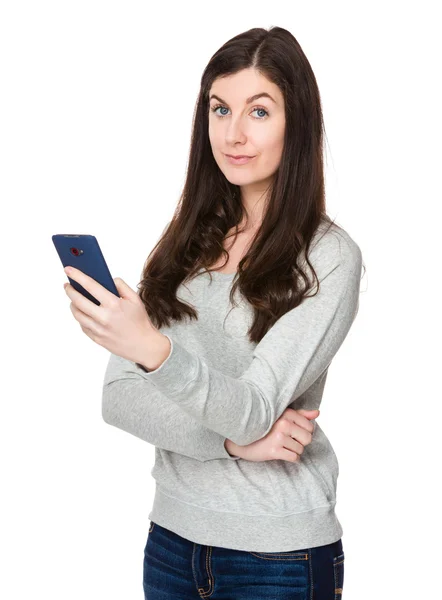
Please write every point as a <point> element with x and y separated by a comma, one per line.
<point>242,86</point>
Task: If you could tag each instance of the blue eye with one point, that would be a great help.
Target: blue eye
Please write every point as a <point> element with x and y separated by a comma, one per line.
<point>260,108</point>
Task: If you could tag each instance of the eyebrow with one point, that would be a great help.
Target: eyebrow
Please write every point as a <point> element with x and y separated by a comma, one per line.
<point>249,100</point>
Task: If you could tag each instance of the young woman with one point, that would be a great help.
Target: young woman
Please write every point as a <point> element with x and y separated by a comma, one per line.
<point>245,480</point>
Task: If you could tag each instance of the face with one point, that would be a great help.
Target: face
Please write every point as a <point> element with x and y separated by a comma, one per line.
<point>240,128</point>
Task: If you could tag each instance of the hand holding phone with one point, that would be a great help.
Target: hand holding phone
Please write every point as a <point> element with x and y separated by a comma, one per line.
<point>108,310</point>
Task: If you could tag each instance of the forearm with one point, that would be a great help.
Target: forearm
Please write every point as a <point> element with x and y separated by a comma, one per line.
<point>134,405</point>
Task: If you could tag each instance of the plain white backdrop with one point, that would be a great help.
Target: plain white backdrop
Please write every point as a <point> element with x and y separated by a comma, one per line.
<point>96,105</point>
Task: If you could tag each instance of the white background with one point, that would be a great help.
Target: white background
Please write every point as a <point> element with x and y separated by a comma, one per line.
<point>96,106</point>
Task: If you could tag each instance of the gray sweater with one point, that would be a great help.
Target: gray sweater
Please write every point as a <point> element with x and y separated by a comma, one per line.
<point>215,384</point>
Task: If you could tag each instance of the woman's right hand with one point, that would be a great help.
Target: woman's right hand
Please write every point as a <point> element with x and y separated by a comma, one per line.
<point>285,441</point>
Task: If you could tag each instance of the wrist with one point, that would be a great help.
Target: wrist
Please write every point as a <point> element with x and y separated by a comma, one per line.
<point>157,349</point>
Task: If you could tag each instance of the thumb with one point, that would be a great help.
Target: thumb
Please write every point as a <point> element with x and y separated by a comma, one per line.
<point>313,413</point>
<point>124,290</point>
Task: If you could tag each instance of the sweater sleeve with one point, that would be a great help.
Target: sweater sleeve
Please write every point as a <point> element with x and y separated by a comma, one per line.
<point>285,363</point>
<point>137,406</point>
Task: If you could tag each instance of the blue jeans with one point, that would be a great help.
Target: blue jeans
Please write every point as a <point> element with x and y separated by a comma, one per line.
<point>175,568</point>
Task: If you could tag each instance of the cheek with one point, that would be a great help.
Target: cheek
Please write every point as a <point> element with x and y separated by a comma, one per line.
<point>269,155</point>
<point>216,142</point>
<point>268,139</point>
<point>214,132</point>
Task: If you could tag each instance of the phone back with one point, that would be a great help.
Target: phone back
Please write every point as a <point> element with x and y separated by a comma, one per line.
<point>84,253</point>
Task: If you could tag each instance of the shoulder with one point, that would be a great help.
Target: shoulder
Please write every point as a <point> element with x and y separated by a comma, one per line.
<point>333,246</point>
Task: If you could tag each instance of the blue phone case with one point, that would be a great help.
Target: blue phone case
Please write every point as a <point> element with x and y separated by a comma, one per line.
<point>84,253</point>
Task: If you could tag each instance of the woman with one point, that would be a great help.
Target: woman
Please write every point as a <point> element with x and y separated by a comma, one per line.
<point>245,485</point>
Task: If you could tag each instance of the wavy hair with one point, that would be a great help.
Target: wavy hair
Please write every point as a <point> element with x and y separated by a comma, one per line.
<point>269,275</point>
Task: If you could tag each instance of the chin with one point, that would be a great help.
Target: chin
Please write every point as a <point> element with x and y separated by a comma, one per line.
<point>244,180</point>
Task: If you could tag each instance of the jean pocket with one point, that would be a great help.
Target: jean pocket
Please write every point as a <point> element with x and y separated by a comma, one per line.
<point>152,525</point>
<point>299,555</point>
<point>338,567</point>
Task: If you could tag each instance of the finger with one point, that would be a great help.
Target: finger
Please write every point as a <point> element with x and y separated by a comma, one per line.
<point>299,419</point>
<point>86,322</point>
<point>91,335</point>
<point>123,289</point>
<point>300,434</point>
<point>93,287</point>
<point>294,445</point>
<point>84,304</point>
<point>285,454</point>
<point>304,422</point>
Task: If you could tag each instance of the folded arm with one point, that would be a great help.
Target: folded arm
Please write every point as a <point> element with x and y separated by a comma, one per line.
<point>285,363</point>
<point>136,406</point>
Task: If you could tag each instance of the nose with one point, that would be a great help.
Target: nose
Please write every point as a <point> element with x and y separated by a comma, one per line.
<point>235,132</point>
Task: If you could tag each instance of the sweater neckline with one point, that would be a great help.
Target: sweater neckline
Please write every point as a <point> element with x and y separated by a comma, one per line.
<point>218,274</point>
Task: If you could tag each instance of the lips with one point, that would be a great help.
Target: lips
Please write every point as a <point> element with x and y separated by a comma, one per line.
<point>239,156</point>
<point>245,160</point>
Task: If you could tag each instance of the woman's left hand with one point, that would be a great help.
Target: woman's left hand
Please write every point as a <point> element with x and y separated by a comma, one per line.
<point>121,325</point>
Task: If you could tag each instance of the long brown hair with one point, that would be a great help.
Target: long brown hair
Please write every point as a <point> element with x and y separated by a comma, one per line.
<point>209,207</point>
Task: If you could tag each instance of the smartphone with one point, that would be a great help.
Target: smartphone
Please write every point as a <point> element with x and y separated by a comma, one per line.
<point>84,253</point>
